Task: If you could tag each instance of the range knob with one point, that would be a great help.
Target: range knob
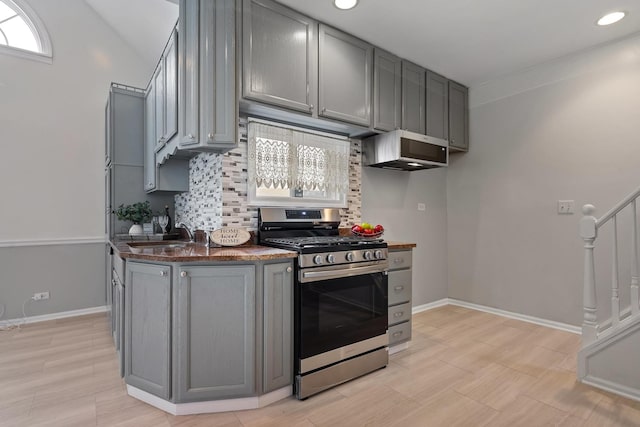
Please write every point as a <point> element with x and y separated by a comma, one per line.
<point>367,255</point>
<point>331,259</point>
<point>349,256</point>
<point>317,259</point>
<point>377,254</point>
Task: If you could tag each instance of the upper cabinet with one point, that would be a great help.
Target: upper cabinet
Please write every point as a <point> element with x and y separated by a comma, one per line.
<point>208,105</point>
<point>344,77</point>
<point>413,98</point>
<point>437,106</point>
<point>165,85</point>
<point>458,117</point>
<point>387,91</point>
<point>280,54</point>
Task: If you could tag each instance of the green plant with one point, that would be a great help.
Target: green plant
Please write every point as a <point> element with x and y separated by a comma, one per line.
<point>138,212</point>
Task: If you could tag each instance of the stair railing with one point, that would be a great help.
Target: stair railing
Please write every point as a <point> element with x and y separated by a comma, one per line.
<point>589,226</point>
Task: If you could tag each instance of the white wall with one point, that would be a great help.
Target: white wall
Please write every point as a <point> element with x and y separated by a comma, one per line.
<point>51,168</point>
<point>565,130</point>
<point>391,198</point>
<point>52,125</point>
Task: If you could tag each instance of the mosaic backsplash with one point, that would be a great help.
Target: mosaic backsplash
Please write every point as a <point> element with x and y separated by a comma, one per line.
<point>217,194</point>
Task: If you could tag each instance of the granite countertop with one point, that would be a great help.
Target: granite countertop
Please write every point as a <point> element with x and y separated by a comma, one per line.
<point>181,251</point>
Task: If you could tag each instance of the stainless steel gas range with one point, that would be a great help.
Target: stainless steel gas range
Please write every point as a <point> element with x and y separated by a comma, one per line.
<point>340,296</point>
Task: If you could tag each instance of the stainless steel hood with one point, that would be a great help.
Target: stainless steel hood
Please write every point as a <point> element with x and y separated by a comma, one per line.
<point>404,150</point>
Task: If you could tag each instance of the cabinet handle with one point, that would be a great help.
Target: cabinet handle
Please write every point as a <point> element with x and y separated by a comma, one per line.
<point>396,334</point>
<point>311,107</point>
<point>190,136</point>
<point>211,136</point>
<point>398,261</point>
<point>324,109</point>
<point>183,274</point>
<point>398,288</point>
<point>288,269</point>
<point>398,314</point>
<point>163,273</point>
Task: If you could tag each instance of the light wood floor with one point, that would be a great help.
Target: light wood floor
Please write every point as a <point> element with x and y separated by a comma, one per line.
<point>464,368</point>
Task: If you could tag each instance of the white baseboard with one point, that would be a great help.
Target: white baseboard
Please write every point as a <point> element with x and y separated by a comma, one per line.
<point>620,389</point>
<point>509,314</point>
<point>212,406</point>
<point>53,316</point>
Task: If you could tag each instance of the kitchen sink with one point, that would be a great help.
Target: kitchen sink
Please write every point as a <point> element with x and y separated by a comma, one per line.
<point>158,245</point>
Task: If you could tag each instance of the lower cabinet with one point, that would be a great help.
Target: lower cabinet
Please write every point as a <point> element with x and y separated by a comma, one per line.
<point>214,332</point>
<point>148,328</point>
<point>399,296</point>
<point>209,331</point>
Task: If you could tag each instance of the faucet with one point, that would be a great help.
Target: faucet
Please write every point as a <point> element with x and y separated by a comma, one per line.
<point>181,224</point>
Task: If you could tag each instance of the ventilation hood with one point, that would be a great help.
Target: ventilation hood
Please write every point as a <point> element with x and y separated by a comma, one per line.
<point>404,150</point>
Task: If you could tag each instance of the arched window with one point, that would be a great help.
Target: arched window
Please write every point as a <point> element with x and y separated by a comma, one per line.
<point>22,33</point>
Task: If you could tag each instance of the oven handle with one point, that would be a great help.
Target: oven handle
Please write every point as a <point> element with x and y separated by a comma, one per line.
<point>313,276</point>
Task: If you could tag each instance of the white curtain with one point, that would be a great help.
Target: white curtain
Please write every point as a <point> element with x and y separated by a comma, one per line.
<point>287,158</point>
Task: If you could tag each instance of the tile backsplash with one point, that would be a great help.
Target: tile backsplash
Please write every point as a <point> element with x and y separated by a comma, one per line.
<point>217,195</point>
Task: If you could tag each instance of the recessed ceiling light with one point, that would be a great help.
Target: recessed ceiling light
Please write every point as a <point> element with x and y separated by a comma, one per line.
<point>345,4</point>
<point>611,18</point>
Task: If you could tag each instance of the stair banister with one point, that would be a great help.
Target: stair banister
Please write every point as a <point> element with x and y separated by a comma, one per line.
<point>617,208</point>
<point>589,232</point>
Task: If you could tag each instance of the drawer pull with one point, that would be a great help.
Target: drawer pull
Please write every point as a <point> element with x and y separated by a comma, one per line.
<point>163,273</point>
<point>288,269</point>
<point>398,288</point>
<point>398,261</point>
<point>397,334</point>
<point>183,274</point>
<point>398,314</point>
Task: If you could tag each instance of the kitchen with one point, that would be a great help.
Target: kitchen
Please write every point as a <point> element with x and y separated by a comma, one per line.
<point>478,213</point>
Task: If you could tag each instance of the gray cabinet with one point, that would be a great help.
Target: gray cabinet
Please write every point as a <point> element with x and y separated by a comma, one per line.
<point>148,328</point>
<point>387,90</point>
<point>277,365</point>
<point>170,64</point>
<point>214,332</point>
<point>458,117</point>
<point>118,312</point>
<point>208,105</point>
<point>344,77</point>
<point>437,106</point>
<point>279,53</point>
<point>157,87</point>
<point>150,130</point>
<point>413,97</point>
<point>399,296</point>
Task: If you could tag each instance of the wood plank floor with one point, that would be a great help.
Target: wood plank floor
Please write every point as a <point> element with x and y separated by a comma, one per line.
<point>464,368</point>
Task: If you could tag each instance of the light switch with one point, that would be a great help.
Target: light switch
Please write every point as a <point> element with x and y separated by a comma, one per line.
<point>566,207</point>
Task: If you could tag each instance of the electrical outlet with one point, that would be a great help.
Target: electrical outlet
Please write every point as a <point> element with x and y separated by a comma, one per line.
<point>566,207</point>
<point>422,207</point>
<point>40,296</point>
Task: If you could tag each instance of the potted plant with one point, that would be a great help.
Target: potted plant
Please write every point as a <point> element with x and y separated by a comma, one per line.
<point>138,213</point>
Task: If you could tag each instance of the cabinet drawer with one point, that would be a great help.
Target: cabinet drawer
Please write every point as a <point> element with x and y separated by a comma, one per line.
<point>400,333</point>
<point>399,286</point>
<point>400,259</point>
<point>118,267</point>
<point>399,313</point>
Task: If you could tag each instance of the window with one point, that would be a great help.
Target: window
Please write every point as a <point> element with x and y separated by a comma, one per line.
<point>22,33</point>
<point>296,167</point>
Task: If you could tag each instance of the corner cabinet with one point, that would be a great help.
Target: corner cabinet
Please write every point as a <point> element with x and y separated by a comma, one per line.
<point>458,117</point>
<point>399,296</point>
<point>387,91</point>
<point>208,104</point>
<point>214,332</point>
<point>148,328</point>
<point>344,77</point>
<point>279,54</point>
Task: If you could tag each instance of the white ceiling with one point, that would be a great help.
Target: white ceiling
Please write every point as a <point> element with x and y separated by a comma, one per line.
<point>471,41</point>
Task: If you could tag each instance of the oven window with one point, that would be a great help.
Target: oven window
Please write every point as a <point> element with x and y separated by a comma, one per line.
<point>338,312</point>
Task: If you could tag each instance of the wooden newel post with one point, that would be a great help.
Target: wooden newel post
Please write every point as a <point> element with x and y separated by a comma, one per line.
<point>589,232</point>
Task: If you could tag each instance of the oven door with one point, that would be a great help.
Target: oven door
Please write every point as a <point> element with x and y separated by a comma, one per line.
<point>340,313</point>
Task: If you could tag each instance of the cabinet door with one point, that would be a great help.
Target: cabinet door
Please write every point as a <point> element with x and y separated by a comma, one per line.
<point>387,90</point>
<point>120,346</point>
<point>170,62</point>
<point>458,117</point>
<point>148,328</point>
<point>280,52</point>
<point>188,65</point>
<point>277,369</point>
<point>344,79</point>
<point>158,87</point>
<point>150,138</point>
<point>215,332</point>
<point>437,106</point>
<point>413,97</point>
